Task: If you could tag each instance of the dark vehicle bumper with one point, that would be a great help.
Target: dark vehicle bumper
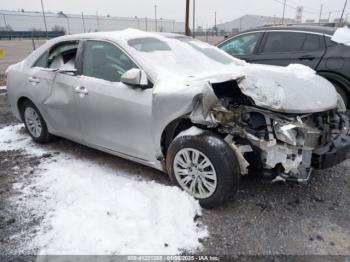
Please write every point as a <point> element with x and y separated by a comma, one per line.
<point>332,153</point>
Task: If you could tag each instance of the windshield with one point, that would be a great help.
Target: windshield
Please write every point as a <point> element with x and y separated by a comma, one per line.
<point>182,55</point>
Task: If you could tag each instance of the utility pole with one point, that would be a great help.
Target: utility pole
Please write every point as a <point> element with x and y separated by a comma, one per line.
<point>155,16</point>
<point>98,21</point>
<point>146,21</point>
<point>42,8</point>
<point>319,19</point>
<point>329,17</point>
<point>342,14</point>
<point>284,10</point>
<point>82,17</point>
<point>194,19</point>
<point>187,18</point>
<point>3,15</point>
<point>215,28</point>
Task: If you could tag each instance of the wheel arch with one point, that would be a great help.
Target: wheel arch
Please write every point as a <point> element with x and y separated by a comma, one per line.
<point>20,103</point>
<point>338,79</point>
<point>172,130</point>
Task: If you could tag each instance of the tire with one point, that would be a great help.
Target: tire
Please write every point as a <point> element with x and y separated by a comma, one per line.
<point>33,120</point>
<point>222,159</point>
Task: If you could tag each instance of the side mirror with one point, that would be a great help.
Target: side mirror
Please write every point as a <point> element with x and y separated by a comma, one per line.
<point>135,77</point>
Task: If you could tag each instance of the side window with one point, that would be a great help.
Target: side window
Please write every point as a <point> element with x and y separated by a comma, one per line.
<point>313,42</point>
<point>281,42</point>
<point>61,56</point>
<point>105,61</point>
<point>42,61</point>
<point>241,45</point>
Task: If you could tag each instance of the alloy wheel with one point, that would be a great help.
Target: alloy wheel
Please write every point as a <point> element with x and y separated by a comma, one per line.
<point>33,122</point>
<point>195,173</point>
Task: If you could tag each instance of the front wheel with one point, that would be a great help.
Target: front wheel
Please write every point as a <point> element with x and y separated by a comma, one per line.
<point>205,166</point>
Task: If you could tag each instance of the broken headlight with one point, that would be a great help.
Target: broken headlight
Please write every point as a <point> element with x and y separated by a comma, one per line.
<point>286,132</point>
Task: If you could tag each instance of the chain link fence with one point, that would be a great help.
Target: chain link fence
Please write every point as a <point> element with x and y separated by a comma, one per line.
<point>72,24</point>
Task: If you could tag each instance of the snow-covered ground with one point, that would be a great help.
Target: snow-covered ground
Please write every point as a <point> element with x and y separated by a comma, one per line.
<point>93,209</point>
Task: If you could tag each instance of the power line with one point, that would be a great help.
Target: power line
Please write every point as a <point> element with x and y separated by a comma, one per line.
<point>305,11</point>
<point>305,6</point>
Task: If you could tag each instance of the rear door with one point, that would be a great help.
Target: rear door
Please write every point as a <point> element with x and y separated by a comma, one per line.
<point>60,106</point>
<point>53,91</point>
<point>243,46</point>
<point>288,47</point>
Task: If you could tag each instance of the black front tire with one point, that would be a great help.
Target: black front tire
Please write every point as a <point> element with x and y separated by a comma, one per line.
<point>44,136</point>
<point>223,159</point>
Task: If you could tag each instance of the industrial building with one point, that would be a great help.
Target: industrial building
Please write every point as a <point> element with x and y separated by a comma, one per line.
<point>250,21</point>
<point>34,21</point>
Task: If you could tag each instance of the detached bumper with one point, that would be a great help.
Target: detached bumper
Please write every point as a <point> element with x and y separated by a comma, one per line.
<point>332,153</point>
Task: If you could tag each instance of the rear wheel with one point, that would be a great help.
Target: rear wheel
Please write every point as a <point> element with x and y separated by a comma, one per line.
<point>205,166</point>
<point>35,123</point>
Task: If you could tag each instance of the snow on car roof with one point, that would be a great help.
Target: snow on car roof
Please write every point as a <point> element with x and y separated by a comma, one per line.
<point>125,34</point>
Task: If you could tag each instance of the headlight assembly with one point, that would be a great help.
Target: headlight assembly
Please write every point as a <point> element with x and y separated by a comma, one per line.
<point>286,132</point>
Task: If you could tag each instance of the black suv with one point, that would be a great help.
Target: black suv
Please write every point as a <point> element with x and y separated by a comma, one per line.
<point>284,45</point>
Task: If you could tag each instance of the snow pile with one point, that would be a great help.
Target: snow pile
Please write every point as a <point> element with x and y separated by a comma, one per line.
<point>192,131</point>
<point>93,209</point>
<point>15,138</point>
<point>2,87</point>
<point>301,71</point>
<point>342,36</point>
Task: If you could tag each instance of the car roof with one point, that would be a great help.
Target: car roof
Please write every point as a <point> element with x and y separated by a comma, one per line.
<point>306,28</point>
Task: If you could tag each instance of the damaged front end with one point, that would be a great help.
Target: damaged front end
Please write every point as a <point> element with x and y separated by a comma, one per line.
<point>287,146</point>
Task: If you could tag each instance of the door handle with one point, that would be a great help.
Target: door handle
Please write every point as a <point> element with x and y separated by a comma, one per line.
<point>307,57</point>
<point>33,80</point>
<point>81,90</point>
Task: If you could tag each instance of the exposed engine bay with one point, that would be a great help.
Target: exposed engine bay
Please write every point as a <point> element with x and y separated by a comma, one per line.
<point>286,146</point>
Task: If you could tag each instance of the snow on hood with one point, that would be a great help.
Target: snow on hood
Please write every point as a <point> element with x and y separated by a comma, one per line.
<point>292,89</point>
<point>342,36</point>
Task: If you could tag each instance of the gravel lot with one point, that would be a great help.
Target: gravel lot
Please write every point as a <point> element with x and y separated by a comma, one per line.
<point>265,219</point>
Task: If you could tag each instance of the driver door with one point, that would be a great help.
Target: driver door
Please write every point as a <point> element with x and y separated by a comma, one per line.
<point>112,115</point>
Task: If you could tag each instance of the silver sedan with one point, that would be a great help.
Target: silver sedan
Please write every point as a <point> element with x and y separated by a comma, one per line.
<point>181,106</point>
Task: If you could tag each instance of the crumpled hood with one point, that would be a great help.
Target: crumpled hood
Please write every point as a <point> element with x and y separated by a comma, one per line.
<point>292,89</point>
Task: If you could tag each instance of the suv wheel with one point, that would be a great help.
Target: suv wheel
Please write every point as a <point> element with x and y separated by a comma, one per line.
<point>35,123</point>
<point>205,166</point>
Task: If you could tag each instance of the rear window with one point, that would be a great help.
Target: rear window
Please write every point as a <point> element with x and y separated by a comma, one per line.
<point>312,42</point>
<point>278,42</point>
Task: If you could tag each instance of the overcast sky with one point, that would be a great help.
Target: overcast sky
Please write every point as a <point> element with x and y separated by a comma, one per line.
<point>174,9</point>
